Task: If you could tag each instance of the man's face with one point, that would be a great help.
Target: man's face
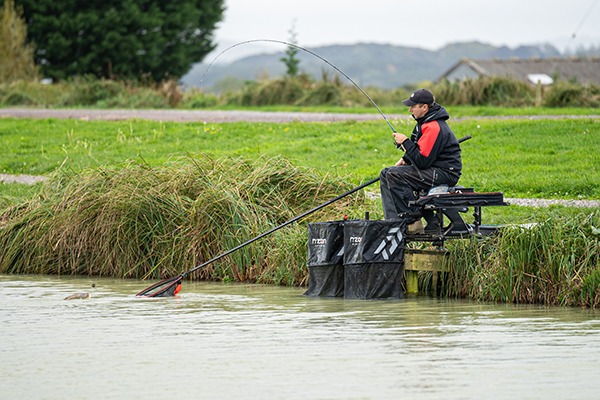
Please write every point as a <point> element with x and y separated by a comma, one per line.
<point>419,110</point>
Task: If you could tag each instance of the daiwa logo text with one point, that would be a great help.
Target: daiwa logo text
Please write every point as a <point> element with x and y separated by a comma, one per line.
<point>394,239</point>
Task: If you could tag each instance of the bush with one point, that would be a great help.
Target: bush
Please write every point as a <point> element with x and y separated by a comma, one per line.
<point>15,98</point>
<point>485,91</point>
<point>279,91</point>
<point>17,61</point>
<point>87,90</point>
<point>197,99</point>
<point>568,94</point>
<point>323,93</point>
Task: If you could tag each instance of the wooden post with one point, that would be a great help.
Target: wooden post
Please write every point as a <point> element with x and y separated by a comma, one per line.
<point>416,260</point>
<point>538,94</point>
<point>412,282</point>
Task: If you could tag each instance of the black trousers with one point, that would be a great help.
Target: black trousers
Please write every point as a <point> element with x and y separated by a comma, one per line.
<point>399,183</point>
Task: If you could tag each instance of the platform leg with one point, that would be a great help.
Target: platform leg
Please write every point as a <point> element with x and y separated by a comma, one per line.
<point>434,282</point>
<point>412,282</point>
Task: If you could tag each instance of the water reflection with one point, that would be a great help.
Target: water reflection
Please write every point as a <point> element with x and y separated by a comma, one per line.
<point>261,342</point>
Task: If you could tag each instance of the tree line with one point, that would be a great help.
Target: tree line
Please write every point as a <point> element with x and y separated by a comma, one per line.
<point>130,54</point>
<point>153,39</point>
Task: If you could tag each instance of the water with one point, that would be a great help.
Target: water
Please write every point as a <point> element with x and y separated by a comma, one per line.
<point>262,342</point>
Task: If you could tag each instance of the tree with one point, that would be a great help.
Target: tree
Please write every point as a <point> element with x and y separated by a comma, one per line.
<point>123,38</point>
<point>17,55</point>
<point>291,62</point>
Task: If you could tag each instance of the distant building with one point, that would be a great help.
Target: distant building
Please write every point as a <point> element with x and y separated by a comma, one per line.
<point>545,70</point>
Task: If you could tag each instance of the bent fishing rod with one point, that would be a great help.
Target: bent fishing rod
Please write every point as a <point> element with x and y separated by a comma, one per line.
<point>309,52</point>
<point>328,63</point>
<point>171,286</point>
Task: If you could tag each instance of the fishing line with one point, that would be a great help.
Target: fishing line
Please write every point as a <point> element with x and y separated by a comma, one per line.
<point>309,52</point>
<point>325,61</point>
<point>574,35</point>
<point>587,14</point>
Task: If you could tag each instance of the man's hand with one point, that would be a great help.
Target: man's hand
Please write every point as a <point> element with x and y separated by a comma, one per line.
<point>400,162</point>
<point>400,138</point>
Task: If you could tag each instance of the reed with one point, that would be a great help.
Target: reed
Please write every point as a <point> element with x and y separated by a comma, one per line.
<point>554,262</point>
<point>137,220</point>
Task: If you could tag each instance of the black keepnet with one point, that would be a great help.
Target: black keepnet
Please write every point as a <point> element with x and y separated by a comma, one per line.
<point>325,259</point>
<point>373,259</point>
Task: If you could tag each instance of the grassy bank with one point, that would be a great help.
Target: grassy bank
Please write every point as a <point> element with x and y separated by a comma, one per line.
<point>137,221</point>
<point>554,262</point>
<point>141,221</point>
<point>159,214</point>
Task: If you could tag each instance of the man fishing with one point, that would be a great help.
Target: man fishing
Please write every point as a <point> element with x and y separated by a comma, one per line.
<point>432,158</point>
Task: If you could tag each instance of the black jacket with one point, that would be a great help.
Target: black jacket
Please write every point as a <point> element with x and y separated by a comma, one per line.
<point>433,144</point>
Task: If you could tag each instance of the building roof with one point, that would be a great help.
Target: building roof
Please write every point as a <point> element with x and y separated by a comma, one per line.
<point>586,70</point>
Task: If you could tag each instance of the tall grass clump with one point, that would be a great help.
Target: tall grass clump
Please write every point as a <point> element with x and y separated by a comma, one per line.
<point>301,91</point>
<point>89,91</point>
<point>323,93</point>
<point>25,93</point>
<point>485,91</point>
<point>140,221</point>
<point>278,91</point>
<point>553,262</point>
<point>569,94</point>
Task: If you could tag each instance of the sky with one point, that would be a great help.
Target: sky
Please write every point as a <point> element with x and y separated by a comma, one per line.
<point>428,24</point>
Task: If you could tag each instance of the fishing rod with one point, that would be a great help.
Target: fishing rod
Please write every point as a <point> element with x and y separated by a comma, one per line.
<point>171,286</point>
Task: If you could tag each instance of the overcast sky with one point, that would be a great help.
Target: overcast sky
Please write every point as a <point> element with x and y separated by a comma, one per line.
<point>428,24</point>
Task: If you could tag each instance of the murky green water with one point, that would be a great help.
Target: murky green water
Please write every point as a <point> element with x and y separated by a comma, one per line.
<point>261,342</point>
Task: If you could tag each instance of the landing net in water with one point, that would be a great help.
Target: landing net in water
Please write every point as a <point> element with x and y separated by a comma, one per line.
<point>165,288</point>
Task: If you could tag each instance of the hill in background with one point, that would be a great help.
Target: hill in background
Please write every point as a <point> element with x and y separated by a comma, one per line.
<point>369,64</point>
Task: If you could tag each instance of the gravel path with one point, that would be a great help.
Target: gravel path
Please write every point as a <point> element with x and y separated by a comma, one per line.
<point>26,179</point>
<point>534,202</point>
<point>189,115</point>
<point>224,116</point>
<point>549,202</point>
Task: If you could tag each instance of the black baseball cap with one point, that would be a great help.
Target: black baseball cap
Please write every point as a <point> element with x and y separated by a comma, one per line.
<point>421,96</point>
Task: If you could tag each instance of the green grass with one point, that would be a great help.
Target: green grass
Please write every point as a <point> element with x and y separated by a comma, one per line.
<point>15,193</point>
<point>521,157</point>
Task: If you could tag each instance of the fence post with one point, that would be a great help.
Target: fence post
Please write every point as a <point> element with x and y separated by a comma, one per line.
<point>538,94</point>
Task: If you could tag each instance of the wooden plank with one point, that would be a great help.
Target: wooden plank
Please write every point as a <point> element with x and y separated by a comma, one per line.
<point>424,260</point>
